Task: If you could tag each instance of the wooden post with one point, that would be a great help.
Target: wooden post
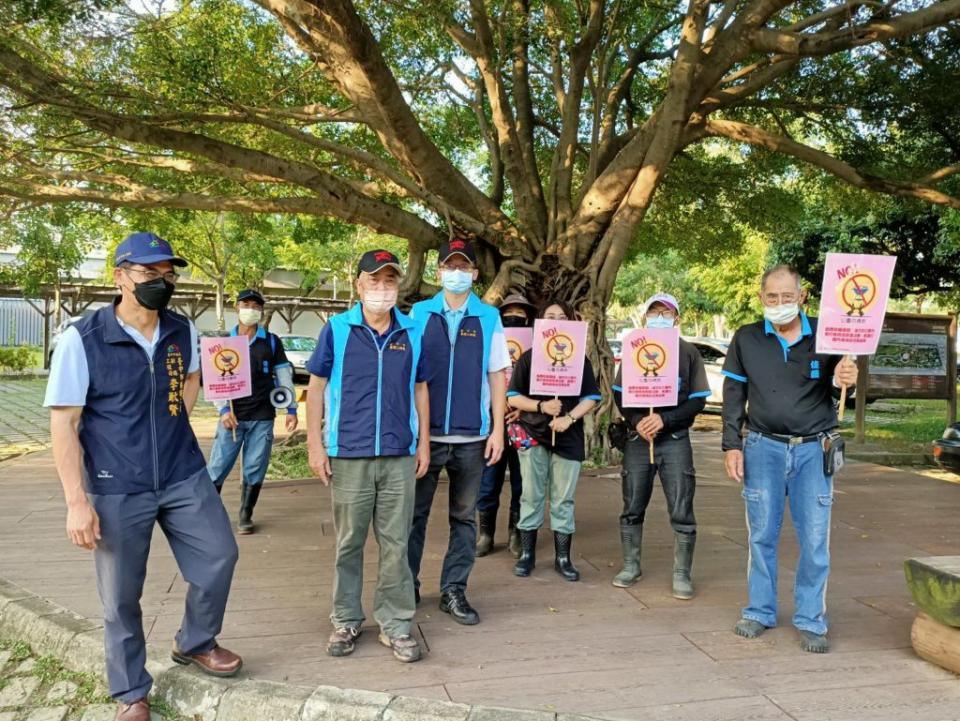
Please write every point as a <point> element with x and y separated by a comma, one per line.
<point>952,371</point>
<point>46,332</point>
<point>863,387</point>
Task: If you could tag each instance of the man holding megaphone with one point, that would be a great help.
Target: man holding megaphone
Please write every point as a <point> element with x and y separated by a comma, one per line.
<point>247,423</point>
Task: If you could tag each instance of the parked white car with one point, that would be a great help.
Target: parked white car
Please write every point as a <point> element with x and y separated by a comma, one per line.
<point>299,348</point>
<point>713,352</point>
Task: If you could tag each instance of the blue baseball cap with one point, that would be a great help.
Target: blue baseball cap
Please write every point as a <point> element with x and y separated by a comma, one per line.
<point>145,248</point>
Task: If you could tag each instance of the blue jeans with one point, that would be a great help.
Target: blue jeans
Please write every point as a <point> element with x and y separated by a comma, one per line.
<point>464,463</point>
<point>195,523</point>
<point>491,484</point>
<point>256,440</point>
<point>776,473</point>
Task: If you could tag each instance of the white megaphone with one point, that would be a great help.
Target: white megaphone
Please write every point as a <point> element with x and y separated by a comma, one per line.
<point>281,397</point>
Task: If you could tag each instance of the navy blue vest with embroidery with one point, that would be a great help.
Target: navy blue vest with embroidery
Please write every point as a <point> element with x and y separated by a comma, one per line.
<point>134,428</point>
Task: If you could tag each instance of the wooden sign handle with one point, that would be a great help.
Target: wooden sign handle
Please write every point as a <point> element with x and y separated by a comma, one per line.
<point>234,429</point>
<point>651,441</point>
<point>553,433</point>
<point>843,395</point>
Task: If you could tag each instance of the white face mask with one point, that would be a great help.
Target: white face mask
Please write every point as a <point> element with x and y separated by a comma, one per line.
<point>379,301</point>
<point>781,314</point>
<point>249,316</point>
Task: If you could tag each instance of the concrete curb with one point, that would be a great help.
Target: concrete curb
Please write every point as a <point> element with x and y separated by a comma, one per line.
<point>78,642</point>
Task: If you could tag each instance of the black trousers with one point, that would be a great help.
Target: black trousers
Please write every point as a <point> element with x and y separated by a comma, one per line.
<point>673,461</point>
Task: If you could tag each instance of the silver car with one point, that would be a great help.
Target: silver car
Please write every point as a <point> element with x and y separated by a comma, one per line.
<point>299,348</point>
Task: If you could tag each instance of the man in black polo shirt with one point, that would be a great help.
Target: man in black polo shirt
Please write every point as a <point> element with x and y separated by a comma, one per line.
<point>248,425</point>
<point>774,365</point>
<point>673,458</point>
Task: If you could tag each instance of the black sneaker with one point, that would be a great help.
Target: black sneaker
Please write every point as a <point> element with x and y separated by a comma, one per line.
<point>456,604</point>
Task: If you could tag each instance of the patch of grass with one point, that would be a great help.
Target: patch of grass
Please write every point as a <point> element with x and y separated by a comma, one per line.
<point>908,425</point>
<point>19,651</point>
<point>289,463</point>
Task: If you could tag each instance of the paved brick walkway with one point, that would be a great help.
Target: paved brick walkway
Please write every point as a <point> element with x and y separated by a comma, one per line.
<point>550,645</point>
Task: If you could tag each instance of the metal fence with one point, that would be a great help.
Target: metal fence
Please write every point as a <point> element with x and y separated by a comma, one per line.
<point>19,323</point>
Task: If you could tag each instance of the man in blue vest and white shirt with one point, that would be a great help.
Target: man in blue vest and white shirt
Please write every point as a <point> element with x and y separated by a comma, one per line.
<point>465,355</point>
<point>368,437</point>
<point>122,384</point>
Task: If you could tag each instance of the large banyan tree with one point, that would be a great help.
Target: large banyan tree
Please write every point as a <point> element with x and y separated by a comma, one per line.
<point>542,128</point>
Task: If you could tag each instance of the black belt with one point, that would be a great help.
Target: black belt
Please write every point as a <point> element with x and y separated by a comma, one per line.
<point>791,440</point>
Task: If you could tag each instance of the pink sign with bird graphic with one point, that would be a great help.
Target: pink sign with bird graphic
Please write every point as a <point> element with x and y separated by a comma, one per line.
<point>651,375</point>
<point>559,349</point>
<point>853,302</point>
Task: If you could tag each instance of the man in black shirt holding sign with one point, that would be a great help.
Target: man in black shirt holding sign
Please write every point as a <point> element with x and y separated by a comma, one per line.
<point>673,458</point>
<point>248,423</point>
<point>773,365</point>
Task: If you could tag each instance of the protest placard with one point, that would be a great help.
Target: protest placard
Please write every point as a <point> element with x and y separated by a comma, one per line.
<point>650,359</point>
<point>650,362</point>
<point>853,303</point>
<point>519,341</point>
<point>559,349</point>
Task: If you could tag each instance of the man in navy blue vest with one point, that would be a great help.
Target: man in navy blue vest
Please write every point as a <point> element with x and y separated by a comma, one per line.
<point>122,383</point>
<point>465,355</point>
<point>368,439</point>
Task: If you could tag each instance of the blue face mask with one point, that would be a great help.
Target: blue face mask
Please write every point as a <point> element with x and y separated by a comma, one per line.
<point>457,281</point>
<point>659,322</point>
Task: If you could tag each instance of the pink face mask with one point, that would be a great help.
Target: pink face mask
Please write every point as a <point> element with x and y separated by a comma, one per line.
<point>379,301</point>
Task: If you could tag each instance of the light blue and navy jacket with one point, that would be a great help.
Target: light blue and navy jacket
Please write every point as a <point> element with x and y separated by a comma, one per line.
<point>456,372</point>
<point>134,428</point>
<point>369,401</point>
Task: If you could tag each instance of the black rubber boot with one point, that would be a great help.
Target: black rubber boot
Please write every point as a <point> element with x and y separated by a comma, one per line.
<point>248,499</point>
<point>514,543</point>
<point>486,527</point>
<point>528,553</point>
<point>683,546</point>
<point>562,564</point>
<point>630,540</point>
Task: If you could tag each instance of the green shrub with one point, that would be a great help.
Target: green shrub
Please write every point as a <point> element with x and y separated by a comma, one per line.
<point>16,358</point>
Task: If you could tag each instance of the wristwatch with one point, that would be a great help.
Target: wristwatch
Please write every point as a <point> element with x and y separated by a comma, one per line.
<point>539,406</point>
<point>572,419</point>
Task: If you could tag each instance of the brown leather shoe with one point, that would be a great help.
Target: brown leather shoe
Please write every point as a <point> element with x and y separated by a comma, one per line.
<point>136,711</point>
<point>218,661</point>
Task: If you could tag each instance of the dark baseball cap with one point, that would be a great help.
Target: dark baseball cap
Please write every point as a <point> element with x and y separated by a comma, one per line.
<point>455,247</point>
<point>249,294</point>
<point>145,248</point>
<point>374,260</point>
<point>520,300</point>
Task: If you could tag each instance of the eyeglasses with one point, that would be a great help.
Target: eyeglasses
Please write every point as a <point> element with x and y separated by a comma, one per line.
<point>149,274</point>
<point>668,314</point>
<point>780,298</point>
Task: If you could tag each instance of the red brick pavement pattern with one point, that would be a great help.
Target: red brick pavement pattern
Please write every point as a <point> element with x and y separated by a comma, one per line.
<point>547,644</point>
